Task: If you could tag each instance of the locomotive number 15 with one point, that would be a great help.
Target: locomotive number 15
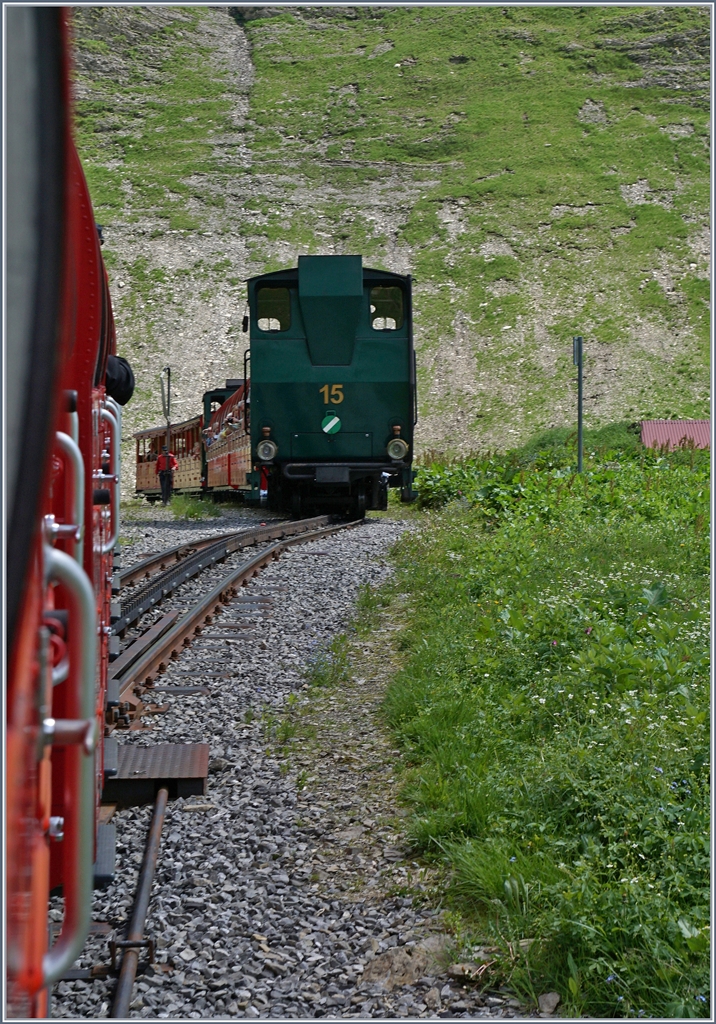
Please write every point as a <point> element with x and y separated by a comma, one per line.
<point>332,393</point>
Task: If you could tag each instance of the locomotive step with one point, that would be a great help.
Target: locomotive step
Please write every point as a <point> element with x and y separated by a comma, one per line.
<point>180,767</point>
<point>111,763</point>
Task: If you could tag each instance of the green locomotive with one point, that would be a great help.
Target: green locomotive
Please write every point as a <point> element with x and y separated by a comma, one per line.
<point>333,398</point>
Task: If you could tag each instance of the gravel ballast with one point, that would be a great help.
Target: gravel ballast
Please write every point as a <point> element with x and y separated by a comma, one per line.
<point>252,912</point>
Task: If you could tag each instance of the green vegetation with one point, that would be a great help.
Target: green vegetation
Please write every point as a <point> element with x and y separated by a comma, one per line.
<point>554,169</point>
<point>183,506</point>
<point>279,731</point>
<point>329,666</point>
<point>154,125</point>
<point>553,713</point>
<point>369,605</point>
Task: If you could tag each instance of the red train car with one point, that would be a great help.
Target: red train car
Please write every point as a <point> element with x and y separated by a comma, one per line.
<point>185,443</point>
<point>62,495</point>
<point>228,446</point>
<point>214,458</point>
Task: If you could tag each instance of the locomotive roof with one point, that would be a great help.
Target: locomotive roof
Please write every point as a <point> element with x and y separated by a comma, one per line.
<point>290,275</point>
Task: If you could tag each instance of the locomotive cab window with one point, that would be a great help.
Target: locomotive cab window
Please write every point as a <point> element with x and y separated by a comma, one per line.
<point>273,309</point>
<point>386,308</point>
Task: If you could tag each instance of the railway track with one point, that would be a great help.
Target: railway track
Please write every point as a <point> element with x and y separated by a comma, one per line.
<point>246,918</point>
<point>151,580</point>
<point>163,576</point>
<point>143,661</point>
<point>139,665</point>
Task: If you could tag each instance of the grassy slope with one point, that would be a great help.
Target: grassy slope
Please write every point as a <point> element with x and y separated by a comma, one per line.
<point>553,712</point>
<point>158,127</point>
<point>142,123</point>
<point>540,171</point>
<point>531,123</point>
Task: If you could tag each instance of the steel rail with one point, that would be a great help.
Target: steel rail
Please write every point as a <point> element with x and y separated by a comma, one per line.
<point>212,550</point>
<point>153,592</point>
<point>154,661</point>
<point>149,665</point>
<point>135,936</point>
<point>154,563</point>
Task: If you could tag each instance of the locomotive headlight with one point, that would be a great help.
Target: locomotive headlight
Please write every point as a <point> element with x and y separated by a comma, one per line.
<point>397,449</point>
<point>266,450</point>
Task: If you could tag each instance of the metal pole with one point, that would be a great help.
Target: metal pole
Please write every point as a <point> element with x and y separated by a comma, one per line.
<point>169,428</point>
<point>577,356</point>
<point>130,960</point>
<point>169,406</point>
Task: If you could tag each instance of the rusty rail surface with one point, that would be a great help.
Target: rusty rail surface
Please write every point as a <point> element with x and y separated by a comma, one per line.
<point>135,936</point>
<point>155,660</point>
<point>190,560</point>
<point>155,563</point>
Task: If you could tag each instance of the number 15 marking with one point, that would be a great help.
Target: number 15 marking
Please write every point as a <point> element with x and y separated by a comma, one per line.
<point>336,393</point>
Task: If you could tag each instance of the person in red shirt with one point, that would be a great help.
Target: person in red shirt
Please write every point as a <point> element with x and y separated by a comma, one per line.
<point>166,464</point>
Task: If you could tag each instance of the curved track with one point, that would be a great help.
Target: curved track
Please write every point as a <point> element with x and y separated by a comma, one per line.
<point>169,569</point>
<point>152,660</point>
<point>137,679</point>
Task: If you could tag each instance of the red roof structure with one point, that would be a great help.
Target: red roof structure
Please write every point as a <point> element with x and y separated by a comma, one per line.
<point>672,433</point>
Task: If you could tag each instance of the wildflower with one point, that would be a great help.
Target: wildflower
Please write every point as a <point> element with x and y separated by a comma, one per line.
<point>588,630</point>
<point>611,978</point>
<point>659,770</point>
<point>512,860</point>
<point>554,643</point>
<point>701,999</point>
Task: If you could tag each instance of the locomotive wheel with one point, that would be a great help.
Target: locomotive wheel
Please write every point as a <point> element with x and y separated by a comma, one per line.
<point>296,505</point>
<point>275,497</point>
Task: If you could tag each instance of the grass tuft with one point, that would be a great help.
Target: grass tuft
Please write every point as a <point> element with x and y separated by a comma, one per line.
<point>329,667</point>
<point>183,506</point>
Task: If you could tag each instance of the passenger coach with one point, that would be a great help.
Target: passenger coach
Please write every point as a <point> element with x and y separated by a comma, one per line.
<point>333,392</point>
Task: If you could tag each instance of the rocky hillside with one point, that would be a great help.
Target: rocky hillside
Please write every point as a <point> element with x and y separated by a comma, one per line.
<point>540,171</point>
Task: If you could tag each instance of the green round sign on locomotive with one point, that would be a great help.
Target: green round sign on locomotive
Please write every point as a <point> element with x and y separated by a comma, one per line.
<point>330,424</point>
